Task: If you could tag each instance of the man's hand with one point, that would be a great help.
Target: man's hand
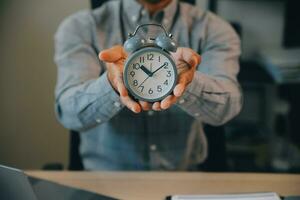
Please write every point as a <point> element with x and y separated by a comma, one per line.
<point>186,61</point>
<point>115,57</point>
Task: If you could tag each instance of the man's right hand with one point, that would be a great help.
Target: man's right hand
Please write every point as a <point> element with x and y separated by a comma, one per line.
<point>114,58</point>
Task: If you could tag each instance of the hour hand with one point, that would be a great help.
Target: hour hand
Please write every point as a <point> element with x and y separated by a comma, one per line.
<point>146,70</point>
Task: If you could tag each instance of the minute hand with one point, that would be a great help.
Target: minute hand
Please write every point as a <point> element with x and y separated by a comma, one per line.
<point>159,68</point>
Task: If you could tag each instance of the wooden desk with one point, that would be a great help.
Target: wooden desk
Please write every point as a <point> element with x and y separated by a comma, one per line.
<point>157,185</point>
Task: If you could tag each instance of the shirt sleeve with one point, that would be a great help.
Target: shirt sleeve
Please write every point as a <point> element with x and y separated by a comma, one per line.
<point>214,96</point>
<point>84,97</point>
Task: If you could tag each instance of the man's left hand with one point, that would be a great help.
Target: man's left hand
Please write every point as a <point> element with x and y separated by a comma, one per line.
<point>186,61</point>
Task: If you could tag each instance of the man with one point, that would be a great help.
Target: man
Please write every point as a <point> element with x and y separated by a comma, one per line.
<point>118,133</point>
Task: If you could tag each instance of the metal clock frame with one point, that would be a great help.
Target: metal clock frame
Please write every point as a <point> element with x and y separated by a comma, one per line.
<point>136,54</point>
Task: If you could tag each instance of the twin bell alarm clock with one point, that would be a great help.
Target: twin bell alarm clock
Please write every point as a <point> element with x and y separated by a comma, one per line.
<point>150,72</point>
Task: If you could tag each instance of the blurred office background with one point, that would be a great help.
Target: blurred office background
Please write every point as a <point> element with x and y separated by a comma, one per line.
<point>264,137</point>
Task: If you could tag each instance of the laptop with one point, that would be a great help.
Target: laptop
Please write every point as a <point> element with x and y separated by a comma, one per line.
<point>16,185</point>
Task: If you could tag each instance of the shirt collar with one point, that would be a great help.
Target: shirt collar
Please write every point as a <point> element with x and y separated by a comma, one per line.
<point>134,11</point>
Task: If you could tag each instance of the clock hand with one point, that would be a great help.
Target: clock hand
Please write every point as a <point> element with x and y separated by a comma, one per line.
<point>159,68</point>
<point>146,70</point>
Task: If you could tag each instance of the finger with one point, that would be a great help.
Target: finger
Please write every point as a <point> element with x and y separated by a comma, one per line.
<point>145,105</point>
<point>113,54</point>
<point>122,89</point>
<point>179,90</point>
<point>180,87</point>
<point>168,102</point>
<point>187,55</point>
<point>182,67</point>
<point>131,104</point>
<point>119,84</point>
<point>156,106</point>
<point>190,57</point>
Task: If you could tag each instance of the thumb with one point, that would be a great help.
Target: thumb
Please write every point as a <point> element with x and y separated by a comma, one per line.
<point>113,54</point>
<point>188,55</point>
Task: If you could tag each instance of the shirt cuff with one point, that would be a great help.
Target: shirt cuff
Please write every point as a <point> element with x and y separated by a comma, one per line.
<point>189,100</point>
<point>104,107</point>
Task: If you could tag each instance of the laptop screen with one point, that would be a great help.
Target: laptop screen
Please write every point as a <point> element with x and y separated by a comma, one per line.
<point>15,185</point>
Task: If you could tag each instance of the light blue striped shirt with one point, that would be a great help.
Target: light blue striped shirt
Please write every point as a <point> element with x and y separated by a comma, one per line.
<point>114,138</point>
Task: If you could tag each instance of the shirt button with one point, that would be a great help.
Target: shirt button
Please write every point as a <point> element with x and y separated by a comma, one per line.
<point>181,101</point>
<point>166,21</point>
<point>144,12</point>
<point>134,18</point>
<point>117,104</point>
<point>196,114</point>
<point>153,147</point>
<point>150,112</point>
<point>98,120</point>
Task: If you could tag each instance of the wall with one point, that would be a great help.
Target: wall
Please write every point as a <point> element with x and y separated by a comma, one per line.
<point>262,23</point>
<point>29,133</point>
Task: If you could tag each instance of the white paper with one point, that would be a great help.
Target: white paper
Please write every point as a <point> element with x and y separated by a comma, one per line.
<point>252,196</point>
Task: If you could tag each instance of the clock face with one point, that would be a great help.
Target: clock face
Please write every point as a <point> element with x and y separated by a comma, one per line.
<point>150,74</point>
